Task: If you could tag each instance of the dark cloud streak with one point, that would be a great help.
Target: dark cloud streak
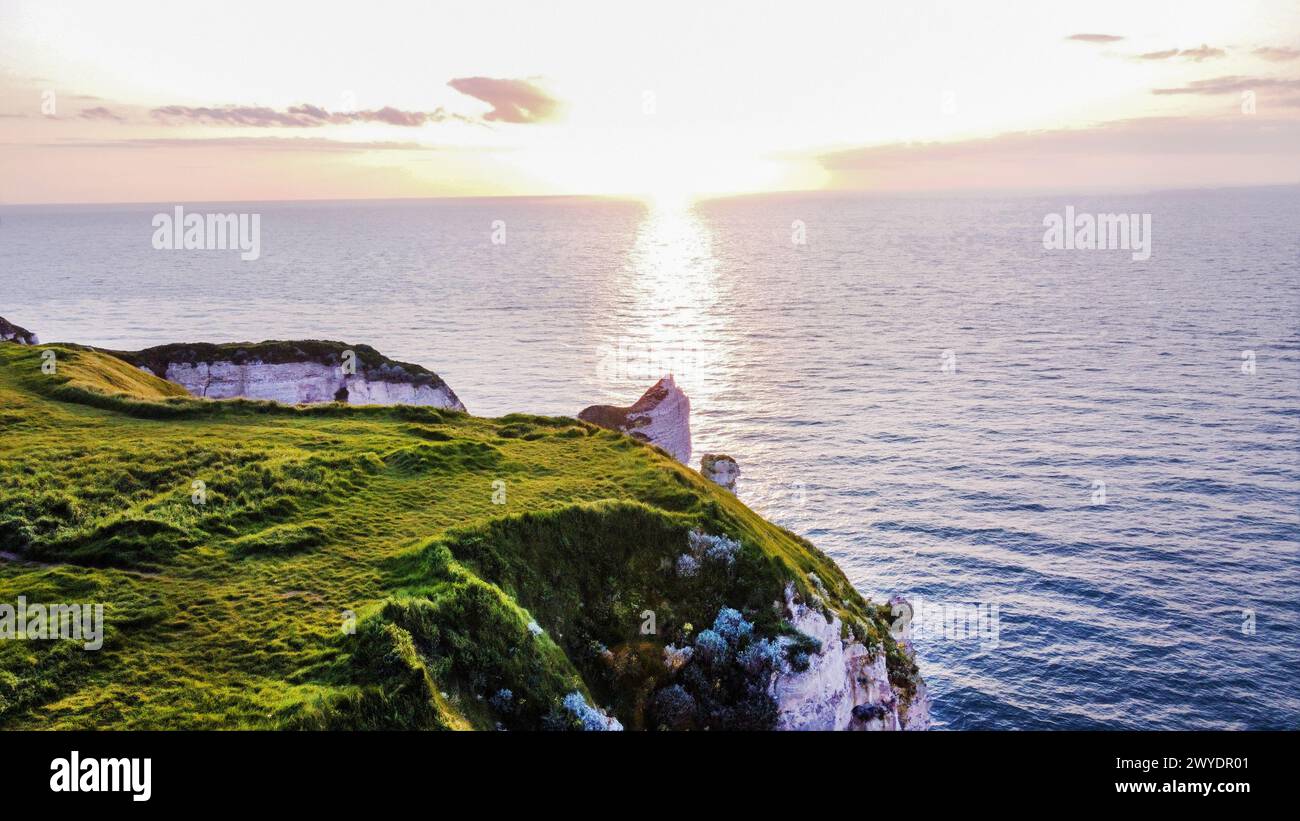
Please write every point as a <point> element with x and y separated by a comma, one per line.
<point>99,112</point>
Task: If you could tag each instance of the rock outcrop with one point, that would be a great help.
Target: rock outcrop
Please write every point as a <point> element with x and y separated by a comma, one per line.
<point>846,686</point>
<point>10,332</point>
<point>300,372</point>
<point>662,416</point>
<point>721,469</point>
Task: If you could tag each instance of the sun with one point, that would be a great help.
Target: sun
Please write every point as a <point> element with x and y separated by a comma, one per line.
<point>669,198</point>
<point>668,172</point>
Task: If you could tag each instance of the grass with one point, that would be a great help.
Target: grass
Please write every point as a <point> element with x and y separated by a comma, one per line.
<point>471,556</point>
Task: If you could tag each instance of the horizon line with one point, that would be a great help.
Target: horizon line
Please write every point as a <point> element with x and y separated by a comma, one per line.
<point>891,194</point>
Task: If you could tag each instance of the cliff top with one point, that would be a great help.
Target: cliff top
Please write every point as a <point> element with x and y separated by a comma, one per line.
<point>271,566</point>
<point>327,352</point>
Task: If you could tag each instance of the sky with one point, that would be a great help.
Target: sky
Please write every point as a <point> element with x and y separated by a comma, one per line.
<point>161,102</point>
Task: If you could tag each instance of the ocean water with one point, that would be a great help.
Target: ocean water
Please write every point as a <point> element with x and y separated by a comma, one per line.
<point>920,388</point>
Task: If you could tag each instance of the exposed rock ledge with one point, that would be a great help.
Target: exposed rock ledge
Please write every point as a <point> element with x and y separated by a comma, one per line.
<point>720,468</point>
<point>300,372</point>
<point>10,332</point>
<point>662,416</point>
<point>846,685</point>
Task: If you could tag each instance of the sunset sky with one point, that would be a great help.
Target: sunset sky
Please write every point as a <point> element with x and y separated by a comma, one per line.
<point>154,102</point>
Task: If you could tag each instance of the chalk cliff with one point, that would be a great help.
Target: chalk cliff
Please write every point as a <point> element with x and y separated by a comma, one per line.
<point>846,685</point>
<point>10,332</point>
<point>662,416</point>
<point>301,372</point>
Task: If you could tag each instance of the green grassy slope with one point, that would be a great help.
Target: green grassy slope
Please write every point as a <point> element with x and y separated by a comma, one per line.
<point>477,555</point>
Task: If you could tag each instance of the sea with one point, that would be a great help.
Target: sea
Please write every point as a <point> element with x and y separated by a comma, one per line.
<point>1081,465</point>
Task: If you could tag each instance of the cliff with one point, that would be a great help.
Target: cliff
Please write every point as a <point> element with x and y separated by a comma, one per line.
<point>273,566</point>
<point>662,417</point>
<point>10,332</point>
<point>851,684</point>
<point>299,372</point>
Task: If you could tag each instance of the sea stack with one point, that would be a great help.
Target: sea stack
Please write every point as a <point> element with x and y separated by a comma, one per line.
<point>721,469</point>
<point>662,416</point>
<point>10,332</point>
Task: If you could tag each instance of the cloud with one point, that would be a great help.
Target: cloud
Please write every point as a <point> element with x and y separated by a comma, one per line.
<point>100,113</point>
<point>1277,54</point>
<point>255,143</point>
<point>1095,38</point>
<point>1150,152</point>
<point>512,101</point>
<point>1202,53</point>
<point>1193,54</point>
<point>1230,85</point>
<point>299,116</point>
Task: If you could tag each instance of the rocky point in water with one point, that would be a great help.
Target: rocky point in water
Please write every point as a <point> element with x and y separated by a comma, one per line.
<point>720,468</point>
<point>662,416</point>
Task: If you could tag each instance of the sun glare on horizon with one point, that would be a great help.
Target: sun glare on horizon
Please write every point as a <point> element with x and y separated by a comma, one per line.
<point>912,97</point>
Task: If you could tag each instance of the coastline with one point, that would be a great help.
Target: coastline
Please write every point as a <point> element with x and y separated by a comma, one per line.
<point>815,656</point>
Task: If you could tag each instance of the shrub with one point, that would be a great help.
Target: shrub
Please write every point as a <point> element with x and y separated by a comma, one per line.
<point>502,700</point>
<point>732,626</point>
<point>717,549</point>
<point>760,657</point>
<point>676,658</point>
<point>592,720</point>
<point>674,708</point>
<point>798,650</point>
<point>687,565</point>
<point>711,648</point>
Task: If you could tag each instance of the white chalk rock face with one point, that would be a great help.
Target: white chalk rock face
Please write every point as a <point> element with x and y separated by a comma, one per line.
<point>721,469</point>
<point>662,416</point>
<point>10,332</point>
<point>301,372</point>
<point>296,383</point>
<point>846,687</point>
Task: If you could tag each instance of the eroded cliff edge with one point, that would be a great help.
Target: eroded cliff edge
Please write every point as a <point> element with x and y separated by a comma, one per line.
<point>295,372</point>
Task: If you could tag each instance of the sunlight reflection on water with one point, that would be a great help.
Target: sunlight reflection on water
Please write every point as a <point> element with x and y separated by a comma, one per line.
<point>669,322</point>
